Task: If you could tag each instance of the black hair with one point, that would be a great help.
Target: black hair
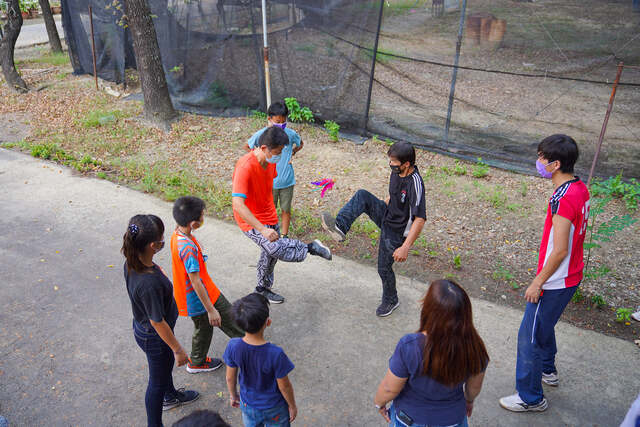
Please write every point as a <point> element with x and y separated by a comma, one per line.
<point>202,418</point>
<point>278,109</point>
<point>560,147</point>
<point>142,230</point>
<point>251,312</point>
<point>403,151</point>
<point>187,209</point>
<point>273,137</point>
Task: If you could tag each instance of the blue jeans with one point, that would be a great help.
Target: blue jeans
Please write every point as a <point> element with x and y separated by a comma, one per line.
<point>390,240</point>
<point>273,417</point>
<point>160,358</point>
<point>395,422</point>
<point>537,342</point>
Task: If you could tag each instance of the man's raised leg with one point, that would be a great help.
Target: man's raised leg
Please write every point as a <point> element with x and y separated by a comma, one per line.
<point>361,202</point>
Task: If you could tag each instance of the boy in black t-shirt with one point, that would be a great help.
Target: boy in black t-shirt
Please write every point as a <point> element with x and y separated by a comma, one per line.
<point>400,218</point>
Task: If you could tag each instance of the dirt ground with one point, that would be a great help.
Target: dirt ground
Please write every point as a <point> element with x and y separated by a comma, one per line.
<point>484,232</point>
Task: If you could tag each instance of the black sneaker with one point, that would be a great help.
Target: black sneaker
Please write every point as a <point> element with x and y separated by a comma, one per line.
<point>317,248</point>
<point>386,308</point>
<point>284,236</point>
<point>180,397</point>
<point>329,224</point>
<point>271,296</point>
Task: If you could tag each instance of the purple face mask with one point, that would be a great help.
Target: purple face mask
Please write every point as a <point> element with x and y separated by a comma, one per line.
<point>541,167</point>
<point>280,125</point>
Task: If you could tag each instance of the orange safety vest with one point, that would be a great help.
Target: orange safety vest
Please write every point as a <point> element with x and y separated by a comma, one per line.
<point>180,276</point>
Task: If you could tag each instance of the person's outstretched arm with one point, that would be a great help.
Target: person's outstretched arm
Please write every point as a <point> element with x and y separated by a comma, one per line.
<point>389,388</point>
<point>286,388</point>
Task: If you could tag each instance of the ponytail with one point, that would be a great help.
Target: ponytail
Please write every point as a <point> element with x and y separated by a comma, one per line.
<point>142,230</point>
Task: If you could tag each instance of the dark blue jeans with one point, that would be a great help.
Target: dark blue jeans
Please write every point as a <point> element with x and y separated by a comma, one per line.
<point>160,358</point>
<point>390,240</point>
<point>537,342</point>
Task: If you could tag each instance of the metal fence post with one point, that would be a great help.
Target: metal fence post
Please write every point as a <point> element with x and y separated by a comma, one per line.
<point>373,70</point>
<point>455,70</point>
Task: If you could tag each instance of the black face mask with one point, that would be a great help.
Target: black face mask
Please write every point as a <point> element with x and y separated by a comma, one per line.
<point>395,169</point>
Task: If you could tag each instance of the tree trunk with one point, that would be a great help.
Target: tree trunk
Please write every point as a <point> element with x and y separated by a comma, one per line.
<point>52,31</point>
<point>7,46</point>
<point>157,104</point>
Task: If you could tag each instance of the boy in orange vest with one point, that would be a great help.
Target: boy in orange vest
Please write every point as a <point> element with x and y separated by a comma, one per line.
<point>196,294</point>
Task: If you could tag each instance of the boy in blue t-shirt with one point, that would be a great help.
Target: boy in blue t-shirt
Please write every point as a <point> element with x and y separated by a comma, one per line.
<point>285,181</point>
<point>266,394</point>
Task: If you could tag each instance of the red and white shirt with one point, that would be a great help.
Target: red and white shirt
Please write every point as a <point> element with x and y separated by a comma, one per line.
<point>571,201</point>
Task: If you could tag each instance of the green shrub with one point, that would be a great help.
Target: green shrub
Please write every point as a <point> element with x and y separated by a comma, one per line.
<point>296,113</point>
<point>332,128</point>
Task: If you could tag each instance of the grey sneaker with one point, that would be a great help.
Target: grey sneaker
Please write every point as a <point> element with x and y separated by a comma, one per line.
<point>329,224</point>
<point>271,296</point>
<point>515,404</point>
<point>551,379</point>
<point>386,308</point>
<point>317,248</point>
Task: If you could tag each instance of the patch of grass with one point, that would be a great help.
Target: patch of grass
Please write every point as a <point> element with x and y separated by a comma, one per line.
<point>457,262</point>
<point>304,221</point>
<point>257,114</point>
<point>51,58</point>
<point>615,187</point>
<point>96,118</point>
<point>480,169</point>
<point>496,197</point>
<point>308,48</point>
<point>577,296</point>
<point>368,228</point>
<point>524,187</point>
<point>504,275</point>
<point>383,56</point>
<point>101,175</point>
<point>623,315</point>
<point>598,301</point>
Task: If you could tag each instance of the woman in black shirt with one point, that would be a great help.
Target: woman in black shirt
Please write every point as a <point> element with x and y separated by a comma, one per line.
<point>154,315</point>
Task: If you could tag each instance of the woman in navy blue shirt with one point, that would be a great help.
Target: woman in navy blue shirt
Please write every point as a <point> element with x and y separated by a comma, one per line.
<point>436,373</point>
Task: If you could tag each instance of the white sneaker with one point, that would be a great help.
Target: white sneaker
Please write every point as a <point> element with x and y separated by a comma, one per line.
<point>515,404</point>
<point>636,316</point>
<point>551,379</point>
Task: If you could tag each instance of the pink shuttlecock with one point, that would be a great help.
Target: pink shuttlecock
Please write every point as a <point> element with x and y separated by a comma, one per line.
<point>323,185</point>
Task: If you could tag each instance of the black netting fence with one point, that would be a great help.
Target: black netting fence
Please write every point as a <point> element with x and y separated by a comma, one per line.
<point>213,57</point>
<point>527,69</point>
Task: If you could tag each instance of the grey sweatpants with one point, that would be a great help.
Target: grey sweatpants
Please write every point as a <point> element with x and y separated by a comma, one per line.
<point>287,250</point>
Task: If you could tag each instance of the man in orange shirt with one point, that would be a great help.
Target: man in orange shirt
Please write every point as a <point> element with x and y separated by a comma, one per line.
<point>255,212</point>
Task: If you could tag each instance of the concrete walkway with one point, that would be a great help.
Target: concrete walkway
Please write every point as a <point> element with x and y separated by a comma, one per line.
<point>36,33</point>
<point>67,355</point>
